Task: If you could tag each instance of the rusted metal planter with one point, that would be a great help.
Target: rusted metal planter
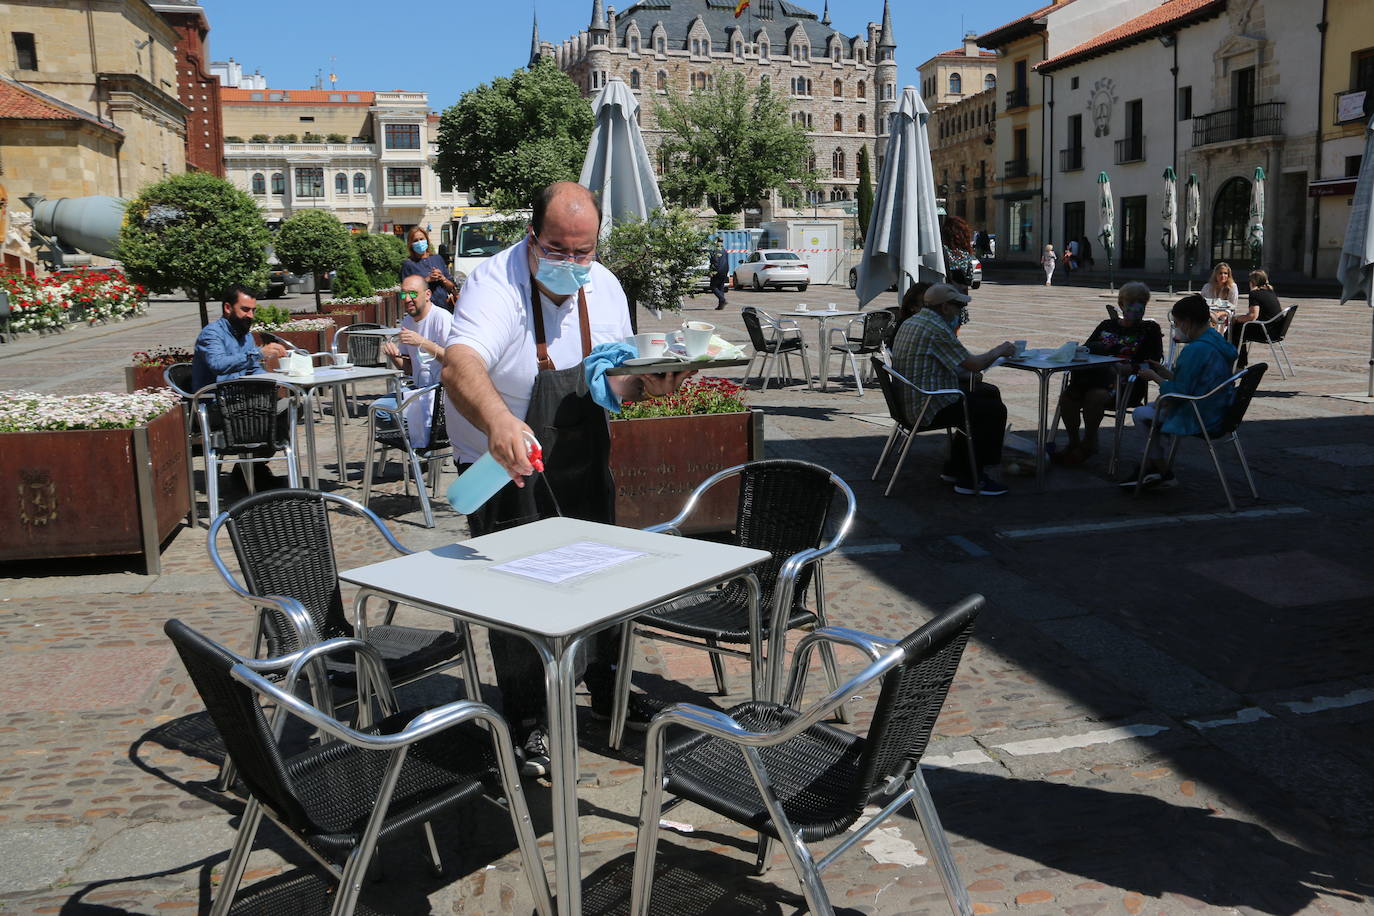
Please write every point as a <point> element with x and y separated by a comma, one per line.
<point>136,378</point>
<point>314,341</point>
<point>390,309</point>
<point>657,462</point>
<point>94,492</point>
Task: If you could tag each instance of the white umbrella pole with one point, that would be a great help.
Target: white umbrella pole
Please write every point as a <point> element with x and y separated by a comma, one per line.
<point>1371,345</point>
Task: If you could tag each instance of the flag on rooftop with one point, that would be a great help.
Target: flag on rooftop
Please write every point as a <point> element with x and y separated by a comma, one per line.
<point>741,7</point>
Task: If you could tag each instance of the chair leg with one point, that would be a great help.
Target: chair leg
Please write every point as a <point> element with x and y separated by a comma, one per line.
<point>435,861</point>
<point>1221,473</point>
<point>211,483</point>
<point>421,486</point>
<point>762,854</point>
<point>938,844</point>
<point>650,809</point>
<point>768,360</point>
<point>1244,465</point>
<point>887,447</point>
<point>717,667</point>
<point>238,858</point>
<point>624,672</point>
<point>901,459</point>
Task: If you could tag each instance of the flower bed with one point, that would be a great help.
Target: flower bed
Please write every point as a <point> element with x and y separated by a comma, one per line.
<point>149,366</point>
<point>366,309</point>
<point>96,474</point>
<point>52,302</point>
<point>313,334</point>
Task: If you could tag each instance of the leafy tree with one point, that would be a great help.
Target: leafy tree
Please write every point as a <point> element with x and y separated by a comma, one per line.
<point>259,138</point>
<point>505,140</point>
<point>352,281</point>
<point>195,232</point>
<point>865,192</point>
<point>730,145</point>
<point>658,260</point>
<point>381,254</point>
<point>314,242</point>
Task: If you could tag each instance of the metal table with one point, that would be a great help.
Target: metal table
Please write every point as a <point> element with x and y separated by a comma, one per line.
<point>1043,369</point>
<point>555,618</point>
<point>823,350</point>
<point>335,379</point>
<point>375,332</point>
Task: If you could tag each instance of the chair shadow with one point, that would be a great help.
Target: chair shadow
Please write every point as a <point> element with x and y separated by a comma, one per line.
<point>1144,844</point>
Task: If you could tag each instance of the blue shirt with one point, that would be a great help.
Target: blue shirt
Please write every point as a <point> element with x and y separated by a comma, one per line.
<point>1201,366</point>
<point>221,354</point>
<point>438,292</point>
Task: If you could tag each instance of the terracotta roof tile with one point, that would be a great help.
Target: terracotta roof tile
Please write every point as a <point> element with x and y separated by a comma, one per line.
<point>296,96</point>
<point>959,52</point>
<point>18,100</point>
<point>1022,20</point>
<point>1161,18</point>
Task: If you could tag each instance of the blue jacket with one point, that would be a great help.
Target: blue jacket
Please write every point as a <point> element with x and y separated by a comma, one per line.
<point>1201,366</point>
<point>222,354</point>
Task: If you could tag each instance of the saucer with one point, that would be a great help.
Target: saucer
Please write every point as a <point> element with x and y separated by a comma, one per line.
<point>339,366</point>
<point>649,360</point>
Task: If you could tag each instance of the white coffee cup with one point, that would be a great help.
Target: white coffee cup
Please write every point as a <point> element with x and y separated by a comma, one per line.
<point>651,343</point>
<point>832,307</point>
<point>696,338</point>
<point>340,359</point>
<point>1020,346</point>
<point>801,306</point>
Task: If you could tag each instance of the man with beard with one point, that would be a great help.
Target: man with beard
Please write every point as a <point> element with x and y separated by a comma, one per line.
<point>225,350</point>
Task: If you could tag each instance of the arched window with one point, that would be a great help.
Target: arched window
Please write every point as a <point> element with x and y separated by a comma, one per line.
<point>863,124</point>
<point>956,84</point>
<point>890,91</point>
<point>839,89</point>
<point>811,162</point>
<point>259,183</point>
<point>634,44</point>
<point>359,183</point>
<point>696,48</point>
<point>990,81</point>
<point>839,123</point>
<point>837,163</point>
<point>278,183</point>
<point>662,81</point>
<point>634,79</point>
<point>862,90</point>
<point>808,87</point>
<point>662,45</point>
<point>1230,222</point>
<point>739,49</point>
<point>340,183</point>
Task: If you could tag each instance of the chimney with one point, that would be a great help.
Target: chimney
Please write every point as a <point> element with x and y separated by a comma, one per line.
<point>970,44</point>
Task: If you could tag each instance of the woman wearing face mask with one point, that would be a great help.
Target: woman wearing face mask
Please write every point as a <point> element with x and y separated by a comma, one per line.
<point>1201,366</point>
<point>423,261</point>
<point>1091,390</point>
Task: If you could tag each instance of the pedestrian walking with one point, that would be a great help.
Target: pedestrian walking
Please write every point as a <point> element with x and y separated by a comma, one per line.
<point>1047,261</point>
<point>720,269</point>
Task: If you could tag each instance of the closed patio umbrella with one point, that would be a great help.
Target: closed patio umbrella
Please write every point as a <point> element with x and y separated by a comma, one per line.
<point>1356,267</point>
<point>1192,219</point>
<point>1254,233</point>
<point>903,241</point>
<point>617,166</point>
<point>1106,213</point>
<point>1169,237</point>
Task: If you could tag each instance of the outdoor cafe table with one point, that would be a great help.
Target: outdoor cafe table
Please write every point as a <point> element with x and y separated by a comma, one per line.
<point>823,350</point>
<point>1043,370</point>
<point>475,581</point>
<point>375,332</point>
<point>328,377</point>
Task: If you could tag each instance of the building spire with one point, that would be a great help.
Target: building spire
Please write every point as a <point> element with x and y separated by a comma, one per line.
<point>598,17</point>
<point>535,50</point>
<point>825,18</point>
<point>885,39</point>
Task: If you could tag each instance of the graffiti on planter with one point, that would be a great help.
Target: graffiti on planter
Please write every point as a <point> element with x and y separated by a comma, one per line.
<point>37,498</point>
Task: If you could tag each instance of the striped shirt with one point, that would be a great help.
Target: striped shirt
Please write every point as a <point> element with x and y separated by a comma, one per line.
<point>927,352</point>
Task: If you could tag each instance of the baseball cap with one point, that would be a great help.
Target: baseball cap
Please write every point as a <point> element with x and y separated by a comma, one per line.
<point>941,293</point>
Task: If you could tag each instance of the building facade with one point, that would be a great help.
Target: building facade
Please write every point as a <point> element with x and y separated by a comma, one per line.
<point>962,139</point>
<point>842,88</point>
<point>115,63</point>
<point>1212,88</point>
<point>367,157</point>
<point>1347,103</point>
<point>951,77</point>
<point>197,88</point>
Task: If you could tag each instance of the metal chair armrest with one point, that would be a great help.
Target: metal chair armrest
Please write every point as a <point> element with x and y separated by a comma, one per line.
<point>665,528</point>
<point>1202,397</point>
<point>871,645</point>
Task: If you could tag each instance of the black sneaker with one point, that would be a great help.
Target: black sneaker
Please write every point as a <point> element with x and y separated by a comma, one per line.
<point>986,487</point>
<point>637,716</point>
<point>534,753</point>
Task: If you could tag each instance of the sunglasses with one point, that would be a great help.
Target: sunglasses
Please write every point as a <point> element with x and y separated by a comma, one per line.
<point>409,295</point>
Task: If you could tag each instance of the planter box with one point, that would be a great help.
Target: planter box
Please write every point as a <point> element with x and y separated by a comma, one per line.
<point>390,309</point>
<point>136,378</point>
<point>657,462</point>
<point>365,311</point>
<point>95,492</point>
<point>314,341</point>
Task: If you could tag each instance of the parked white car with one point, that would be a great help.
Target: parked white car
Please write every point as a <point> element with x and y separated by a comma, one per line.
<point>773,267</point>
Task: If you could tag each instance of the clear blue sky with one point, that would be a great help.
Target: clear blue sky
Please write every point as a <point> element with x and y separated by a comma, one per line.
<point>447,48</point>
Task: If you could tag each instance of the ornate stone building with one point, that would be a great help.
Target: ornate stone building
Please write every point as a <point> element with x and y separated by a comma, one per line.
<point>962,154</point>
<point>953,76</point>
<point>842,87</point>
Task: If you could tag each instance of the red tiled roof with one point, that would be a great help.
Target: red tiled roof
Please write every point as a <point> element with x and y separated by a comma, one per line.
<point>295,96</point>
<point>959,52</point>
<point>994,37</point>
<point>20,101</point>
<point>1169,14</point>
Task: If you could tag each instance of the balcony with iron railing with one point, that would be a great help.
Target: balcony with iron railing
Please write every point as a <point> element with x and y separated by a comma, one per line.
<point>1130,149</point>
<point>1018,97</point>
<point>1016,168</point>
<point>1071,159</point>
<point>1262,120</point>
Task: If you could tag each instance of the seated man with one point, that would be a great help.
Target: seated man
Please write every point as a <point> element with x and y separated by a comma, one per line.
<point>927,353</point>
<point>424,331</point>
<point>1201,366</point>
<point>225,350</point>
<point>1090,390</point>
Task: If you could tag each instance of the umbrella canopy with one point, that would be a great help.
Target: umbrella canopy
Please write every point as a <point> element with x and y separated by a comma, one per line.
<point>903,242</point>
<point>1169,238</point>
<point>1255,231</point>
<point>1356,268</point>
<point>1192,211</point>
<point>1106,212</point>
<point>617,165</point>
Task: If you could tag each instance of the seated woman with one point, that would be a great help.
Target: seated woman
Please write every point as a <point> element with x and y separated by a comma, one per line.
<point>1090,390</point>
<point>1201,366</point>
<point>1220,292</point>
<point>1264,305</point>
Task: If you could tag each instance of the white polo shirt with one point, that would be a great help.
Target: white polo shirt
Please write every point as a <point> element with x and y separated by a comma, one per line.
<point>492,316</point>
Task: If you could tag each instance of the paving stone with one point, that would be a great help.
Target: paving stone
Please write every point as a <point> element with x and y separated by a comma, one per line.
<point>36,857</point>
<point>151,848</point>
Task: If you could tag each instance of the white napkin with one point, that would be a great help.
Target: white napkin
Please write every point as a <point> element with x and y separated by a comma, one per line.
<point>1065,354</point>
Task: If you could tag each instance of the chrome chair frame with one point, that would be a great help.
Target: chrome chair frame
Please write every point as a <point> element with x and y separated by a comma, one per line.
<point>779,328</point>
<point>200,403</point>
<point>1283,320</point>
<point>190,425</point>
<point>411,464</point>
<point>853,347</point>
<point>915,428</point>
<point>346,333</point>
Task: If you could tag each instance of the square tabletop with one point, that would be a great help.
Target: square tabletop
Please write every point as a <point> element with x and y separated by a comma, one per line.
<point>821,313</point>
<point>328,375</point>
<point>461,578</point>
<point>376,332</point>
<point>1044,362</point>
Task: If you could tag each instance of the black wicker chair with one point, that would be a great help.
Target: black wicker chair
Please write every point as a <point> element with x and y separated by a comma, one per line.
<point>772,344</point>
<point>872,331</point>
<point>784,508</point>
<point>339,798</point>
<point>396,435</point>
<point>905,426</point>
<point>779,770</point>
<point>362,350</point>
<point>238,418</point>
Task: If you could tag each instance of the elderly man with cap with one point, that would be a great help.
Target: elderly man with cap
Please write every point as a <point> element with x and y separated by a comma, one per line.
<point>927,352</point>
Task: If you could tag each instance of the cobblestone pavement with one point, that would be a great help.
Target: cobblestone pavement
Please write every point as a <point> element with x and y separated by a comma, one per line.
<point>1166,709</point>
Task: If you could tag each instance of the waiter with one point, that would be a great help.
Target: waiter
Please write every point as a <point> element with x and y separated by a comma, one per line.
<point>513,365</point>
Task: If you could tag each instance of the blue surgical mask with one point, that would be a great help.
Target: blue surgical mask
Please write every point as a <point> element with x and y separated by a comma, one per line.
<point>562,278</point>
<point>954,322</point>
<point>419,246</point>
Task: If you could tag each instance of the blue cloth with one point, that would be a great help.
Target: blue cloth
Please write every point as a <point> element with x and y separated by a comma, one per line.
<point>222,354</point>
<point>438,293</point>
<point>605,356</point>
<point>1202,365</point>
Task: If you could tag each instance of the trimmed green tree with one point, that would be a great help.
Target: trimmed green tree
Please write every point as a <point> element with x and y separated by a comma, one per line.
<point>194,232</point>
<point>657,261</point>
<point>507,139</point>
<point>352,281</point>
<point>313,242</point>
<point>381,254</point>
<point>729,145</point>
<point>865,193</point>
